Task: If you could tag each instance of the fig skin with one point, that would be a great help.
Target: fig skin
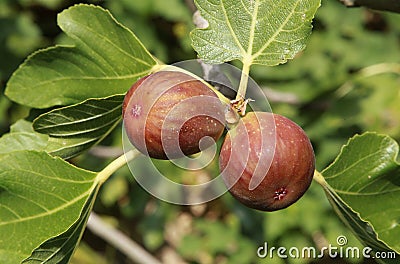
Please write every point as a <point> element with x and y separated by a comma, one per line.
<point>252,142</point>
<point>169,112</point>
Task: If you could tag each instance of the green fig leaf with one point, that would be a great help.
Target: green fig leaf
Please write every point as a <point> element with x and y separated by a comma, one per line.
<point>106,60</point>
<point>265,32</point>
<point>60,249</point>
<point>78,127</point>
<point>67,131</point>
<point>40,197</point>
<point>363,186</point>
<point>22,137</point>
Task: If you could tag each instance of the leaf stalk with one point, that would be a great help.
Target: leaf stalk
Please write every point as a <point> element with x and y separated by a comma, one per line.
<point>244,79</point>
<point>319,178</point>
<point>116,164</point>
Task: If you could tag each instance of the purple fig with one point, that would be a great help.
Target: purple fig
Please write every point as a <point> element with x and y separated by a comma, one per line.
<point>267,161</point>
<point>168,113</point>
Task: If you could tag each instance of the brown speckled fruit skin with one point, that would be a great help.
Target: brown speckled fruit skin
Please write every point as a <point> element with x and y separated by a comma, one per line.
<point>150,100</point>
<point>291,170</point>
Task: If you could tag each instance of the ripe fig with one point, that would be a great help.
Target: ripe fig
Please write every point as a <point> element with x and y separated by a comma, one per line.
<point>271,151</point>
<point>168,113</point>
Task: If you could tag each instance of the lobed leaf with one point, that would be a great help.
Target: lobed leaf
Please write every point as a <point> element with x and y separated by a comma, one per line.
<point>266,32</point>
<point>363,185</point>
<point>106,60</point>
<point>40,197</point>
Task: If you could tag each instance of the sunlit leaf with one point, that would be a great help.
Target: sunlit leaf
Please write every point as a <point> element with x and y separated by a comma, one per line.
<point>106,60</point>
<point>363,185</point>
<point>40,197</point>
<point>60,249</point>
<point>264,32</point>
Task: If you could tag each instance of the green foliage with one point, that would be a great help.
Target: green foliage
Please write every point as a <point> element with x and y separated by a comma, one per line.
<point>364,187</point>
<point>256,32</point>
<point>60,248</point>
<point>213,238</point>
<point>67,131</point>
<point>106,59</point>
<point>77,127</point>
<point>23,137</point>
<point>41,197</point>
<point>162,26</point>
<point>19,36</point>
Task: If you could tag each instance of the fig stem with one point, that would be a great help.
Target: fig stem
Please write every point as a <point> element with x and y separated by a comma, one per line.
<point>244,79</point>
<point>319,178</point>
<point>116,164</point>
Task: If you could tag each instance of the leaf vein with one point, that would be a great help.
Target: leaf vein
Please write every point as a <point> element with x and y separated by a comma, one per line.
<point>111,43</point>
<point>233,33</point>
<point>50,212</point>
<point>277,32</point>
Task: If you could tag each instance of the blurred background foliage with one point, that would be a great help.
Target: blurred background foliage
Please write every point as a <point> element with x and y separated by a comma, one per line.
<point>346,82</point>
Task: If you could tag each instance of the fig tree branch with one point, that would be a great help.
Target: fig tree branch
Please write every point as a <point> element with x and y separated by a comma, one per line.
<point>120,241</point>
<point>383,5</point>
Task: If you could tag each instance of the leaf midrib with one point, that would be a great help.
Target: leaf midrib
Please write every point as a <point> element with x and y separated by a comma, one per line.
<point>252,32</point>
<point>97,78</point>
<point>45,128</point>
